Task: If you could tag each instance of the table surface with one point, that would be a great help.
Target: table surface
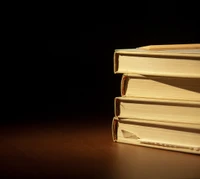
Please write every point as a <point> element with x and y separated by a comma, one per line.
<point>79,147</point>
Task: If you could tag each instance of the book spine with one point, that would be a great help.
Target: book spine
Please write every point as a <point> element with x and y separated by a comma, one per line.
<point>116,106</point>
<point>114,129</point>
<point>124,83</point>
<point>116,57</point>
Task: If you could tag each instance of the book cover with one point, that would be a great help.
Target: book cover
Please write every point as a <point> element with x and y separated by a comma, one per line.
<point>166,62</point>
<point>157,109</point>
<point>133,85</point>
<point>159,136</point>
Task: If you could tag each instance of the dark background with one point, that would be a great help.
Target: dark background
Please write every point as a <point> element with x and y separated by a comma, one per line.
<point>81,64</point>
<point>75,77</point>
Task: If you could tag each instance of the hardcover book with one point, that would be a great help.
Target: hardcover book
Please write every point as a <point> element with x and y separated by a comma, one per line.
<point>182,139</point>
<point>174,88</point>
<point>158,109</point>
<point>163,60</point>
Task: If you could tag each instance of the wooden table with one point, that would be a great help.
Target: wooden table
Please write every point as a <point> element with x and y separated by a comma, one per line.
<point>82,147</point>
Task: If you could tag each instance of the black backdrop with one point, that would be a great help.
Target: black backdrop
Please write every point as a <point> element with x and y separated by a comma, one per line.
<point>76,77</point>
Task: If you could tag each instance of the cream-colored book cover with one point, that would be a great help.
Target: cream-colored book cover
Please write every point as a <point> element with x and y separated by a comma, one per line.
<point>158,109</point>
<point>159,136</point>
<point>181,60</point>
<point>177,88</point>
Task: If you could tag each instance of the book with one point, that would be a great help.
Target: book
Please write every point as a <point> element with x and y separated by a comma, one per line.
<point>178,88</point>
<point>182,139</point>
<point>164,60</point>
<point>158,109</point>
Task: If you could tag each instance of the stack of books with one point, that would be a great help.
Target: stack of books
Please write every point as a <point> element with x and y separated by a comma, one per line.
<point>159,105</point>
